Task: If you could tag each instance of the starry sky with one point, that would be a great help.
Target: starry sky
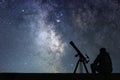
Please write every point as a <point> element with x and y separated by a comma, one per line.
<point>35,34</point>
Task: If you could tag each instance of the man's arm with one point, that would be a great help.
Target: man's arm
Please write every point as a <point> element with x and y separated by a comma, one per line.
<point>97,60</point>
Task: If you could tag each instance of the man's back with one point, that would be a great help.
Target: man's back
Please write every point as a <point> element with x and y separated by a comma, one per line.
<point>102,63</point>
<point>105,63</point>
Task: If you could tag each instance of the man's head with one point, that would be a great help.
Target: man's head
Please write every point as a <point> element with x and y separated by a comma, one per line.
<point>102,50</point>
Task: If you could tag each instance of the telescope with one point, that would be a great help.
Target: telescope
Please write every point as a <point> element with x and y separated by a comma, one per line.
<point>81,57</point>
<point>79,53</point>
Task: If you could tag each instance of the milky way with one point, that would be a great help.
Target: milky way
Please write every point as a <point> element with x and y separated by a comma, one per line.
<point>35,34</point>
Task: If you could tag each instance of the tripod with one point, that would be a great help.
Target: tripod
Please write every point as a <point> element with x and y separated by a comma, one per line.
<point>81,58</point>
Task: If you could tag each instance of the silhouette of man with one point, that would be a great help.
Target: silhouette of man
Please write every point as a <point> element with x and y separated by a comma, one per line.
<point>102,63</point>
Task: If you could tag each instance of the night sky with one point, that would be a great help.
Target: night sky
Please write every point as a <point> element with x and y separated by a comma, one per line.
<point>35,34</point>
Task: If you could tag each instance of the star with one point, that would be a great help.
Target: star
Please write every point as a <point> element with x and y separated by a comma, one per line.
<point>23,10</point>
<point>58,20</point>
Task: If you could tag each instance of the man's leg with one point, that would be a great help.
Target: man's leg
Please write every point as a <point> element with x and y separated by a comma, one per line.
<point>93,69</point>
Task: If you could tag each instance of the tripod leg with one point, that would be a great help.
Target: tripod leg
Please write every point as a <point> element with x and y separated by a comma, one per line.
<point>85,67</point>
<point>76,66</point>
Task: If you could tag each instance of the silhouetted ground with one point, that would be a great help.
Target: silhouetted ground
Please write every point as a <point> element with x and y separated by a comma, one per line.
<point>59,76</point>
